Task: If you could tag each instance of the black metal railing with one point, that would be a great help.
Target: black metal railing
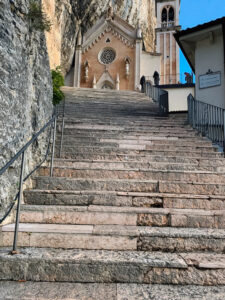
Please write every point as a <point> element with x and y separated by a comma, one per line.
<point>51,125</point>
<point>207,119</point>
<point>159,96</point>
<point>175,78</point>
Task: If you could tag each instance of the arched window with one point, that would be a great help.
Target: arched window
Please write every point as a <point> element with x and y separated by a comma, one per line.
<point>171,14</point>
<point>164,15</point>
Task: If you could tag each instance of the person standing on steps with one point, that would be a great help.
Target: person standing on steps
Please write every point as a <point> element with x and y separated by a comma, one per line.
<point>156,78</point>
<point>142,83</point>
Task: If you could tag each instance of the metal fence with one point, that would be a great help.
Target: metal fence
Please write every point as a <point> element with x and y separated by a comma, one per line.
<point>207,119</point>
<point>50,126</point>
<point>176,78</point>
<point>159,96</point>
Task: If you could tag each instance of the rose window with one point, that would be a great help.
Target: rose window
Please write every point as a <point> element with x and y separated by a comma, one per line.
<point>107,56</point>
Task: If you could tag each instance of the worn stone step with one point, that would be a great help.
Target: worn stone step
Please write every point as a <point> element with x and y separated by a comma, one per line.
<point>142,174</point>
<point>115,237</point>
<point>199,188</point>
<point>131,199</point>
<point>60,183</point>
<point>107,198</point>
<point>108,130</point>
<point>106,215</point>
<point>151,140</point>
<point>121,134</point>
<point>181,240</point>
<point>68,237</point>
<point>114,291</point>
<point>123,158</point>
<point>70,151</point>
<point>136,145</point>
<point>123,125</point>
<point>57,265</point>
<point>158,164</point>
<point>117,165</point>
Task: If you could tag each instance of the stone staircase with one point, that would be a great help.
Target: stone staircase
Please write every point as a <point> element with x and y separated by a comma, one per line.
<point>136,199</point>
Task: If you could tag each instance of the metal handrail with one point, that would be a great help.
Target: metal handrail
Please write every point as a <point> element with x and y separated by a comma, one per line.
<point>51,124</point>
<point>207,119</point>
<point>159,96</point>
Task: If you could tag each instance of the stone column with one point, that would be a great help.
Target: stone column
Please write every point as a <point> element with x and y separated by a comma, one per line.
<point>137,63</point>
<point>78,59</point>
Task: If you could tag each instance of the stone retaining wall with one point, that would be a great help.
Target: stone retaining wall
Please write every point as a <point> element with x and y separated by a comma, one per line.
<point>25,91</point>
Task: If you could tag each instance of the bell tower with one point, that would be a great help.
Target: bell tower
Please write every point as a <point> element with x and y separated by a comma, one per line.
<point>167,13</point>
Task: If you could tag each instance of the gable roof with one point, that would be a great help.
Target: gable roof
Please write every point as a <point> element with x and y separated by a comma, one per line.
<point>116,25</point>
<point>201,29</point>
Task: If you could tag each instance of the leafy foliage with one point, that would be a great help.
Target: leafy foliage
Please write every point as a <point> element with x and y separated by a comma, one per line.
<point>57,81</point>
<point>37,17</point>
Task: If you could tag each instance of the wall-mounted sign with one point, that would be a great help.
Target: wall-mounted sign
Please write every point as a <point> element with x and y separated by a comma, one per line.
<point>209,80</point>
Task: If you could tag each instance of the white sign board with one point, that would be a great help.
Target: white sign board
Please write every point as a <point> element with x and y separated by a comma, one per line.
<point>209,80</point>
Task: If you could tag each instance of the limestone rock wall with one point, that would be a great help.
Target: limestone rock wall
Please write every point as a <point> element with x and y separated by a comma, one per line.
<point>65,15</point>
<point>25,91</point>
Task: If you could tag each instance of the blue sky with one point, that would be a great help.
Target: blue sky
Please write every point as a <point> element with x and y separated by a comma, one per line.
<point>195,12</point>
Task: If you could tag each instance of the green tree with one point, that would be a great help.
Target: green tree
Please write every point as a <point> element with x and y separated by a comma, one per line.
<point>37,17</point>
<point>57,81</point>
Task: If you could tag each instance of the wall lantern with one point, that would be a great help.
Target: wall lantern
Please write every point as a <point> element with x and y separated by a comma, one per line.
<point>86,70</point>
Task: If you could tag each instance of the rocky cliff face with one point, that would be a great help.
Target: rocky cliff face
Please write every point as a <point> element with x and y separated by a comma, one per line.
<point>25,91</point>
<point>65,16</point>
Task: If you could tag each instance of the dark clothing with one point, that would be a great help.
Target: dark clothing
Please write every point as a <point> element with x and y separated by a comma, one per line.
<point>156,78</point>
<point>142,83</point>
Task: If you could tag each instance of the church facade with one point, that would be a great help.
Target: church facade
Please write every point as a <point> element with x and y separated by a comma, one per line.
<point>111,55</point>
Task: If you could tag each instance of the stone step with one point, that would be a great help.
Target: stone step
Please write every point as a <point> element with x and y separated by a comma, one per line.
<point>106,118</point>
<point>70,151</point>
<point>121,134</point>
<point>135,145</point>
<point>119,129</point>
<point>199,188</point>
<point>112,215</point>
<point>99,185</point>
<point>114,237</point>
<point>151,140</point>
<point>131,199</point>
<point>105,121</point>
<point>74,92</point>
<point>175,164</point>
<point>138,158</point>
<point>142,174</point>
<point>68,237</point>
<point>117,165</point>
<point>57,265</point>
<point>126,126</point>
<point>114,291</point>
<point>61,183</point>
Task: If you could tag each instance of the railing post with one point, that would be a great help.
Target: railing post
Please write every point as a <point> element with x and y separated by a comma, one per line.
<point>53,147</point>
<point>224,132</point>
<point>194,114</point>
<point>62,130</point>
<point>14,251</point>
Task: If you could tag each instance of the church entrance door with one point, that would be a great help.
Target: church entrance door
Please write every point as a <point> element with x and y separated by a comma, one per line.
<point>107,86</point>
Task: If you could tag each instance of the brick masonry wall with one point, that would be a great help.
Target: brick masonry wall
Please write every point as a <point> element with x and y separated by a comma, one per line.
<point>118,66</point>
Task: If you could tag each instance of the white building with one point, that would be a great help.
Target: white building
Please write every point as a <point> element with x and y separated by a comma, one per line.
<point>204,48</point>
